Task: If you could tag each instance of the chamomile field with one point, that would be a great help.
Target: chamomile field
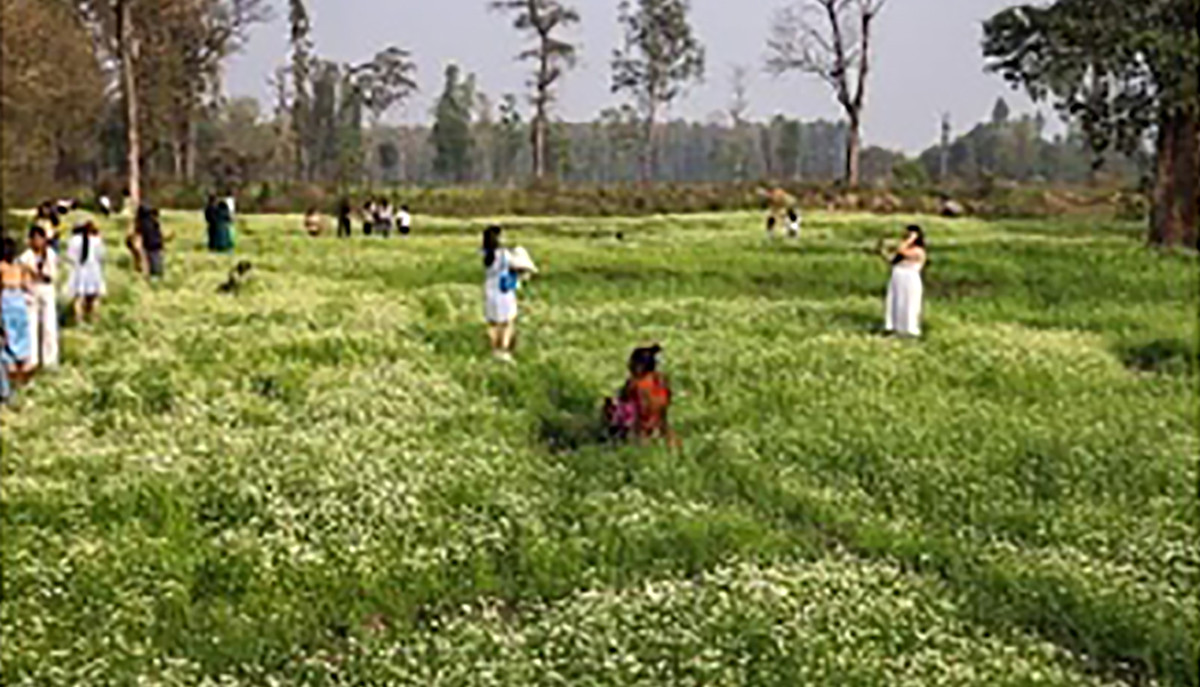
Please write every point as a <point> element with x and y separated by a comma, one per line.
<point>325,479</point>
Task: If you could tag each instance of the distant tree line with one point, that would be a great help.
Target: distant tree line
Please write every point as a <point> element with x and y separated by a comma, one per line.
<point>104,93</point>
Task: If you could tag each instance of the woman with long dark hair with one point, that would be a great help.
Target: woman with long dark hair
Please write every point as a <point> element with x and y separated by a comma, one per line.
<point>85,254</point>
<point>499,294</point>
<point>902,313</point>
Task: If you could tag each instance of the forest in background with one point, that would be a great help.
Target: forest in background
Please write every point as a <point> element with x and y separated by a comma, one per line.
<point>67,129</point>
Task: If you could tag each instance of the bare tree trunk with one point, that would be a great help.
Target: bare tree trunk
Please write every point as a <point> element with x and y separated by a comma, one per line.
<point>853,150</point>
<point>189,152</point>
<point>126,47</point>
<point>1176,194</point>
<point>537,133</point>
<point>649,156</point>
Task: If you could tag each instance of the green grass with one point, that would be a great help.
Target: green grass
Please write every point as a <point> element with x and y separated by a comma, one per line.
<point>325,480</point>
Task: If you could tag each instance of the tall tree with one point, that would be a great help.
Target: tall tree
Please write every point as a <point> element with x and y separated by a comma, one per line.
<point>302,60</point>
<point>1122,72</point>
<point>384,82</point>
<point>739,105</point>
<point>113,26</point>
<point>509,135</point>
<point>830,39</point>
<point>1001,112</point>
<point>787,146</point>
<point>542,19</point>
<point>661,55</point>
<point>49,115</point>
<point>198,36</point>
<point>451,134</point>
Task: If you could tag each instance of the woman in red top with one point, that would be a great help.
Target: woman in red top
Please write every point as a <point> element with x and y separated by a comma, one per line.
<point>649,394</point>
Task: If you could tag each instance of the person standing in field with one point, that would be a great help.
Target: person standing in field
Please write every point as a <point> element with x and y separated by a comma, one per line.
<point>501,279</point>
<point>404,221</point>
<point>14,312</point>
<point>41,262</point>
<point>219,218</point>
<point>85,255</point>
<point>902,313</point>
<point>343,218</point>
<point>385,219</point>
<point>368,217</point>
<point>150,235</point>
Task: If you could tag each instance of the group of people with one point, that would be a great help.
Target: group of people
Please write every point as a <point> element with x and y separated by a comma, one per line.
<point>378,217</point>
<point>28,303</point>
<point>638,411</point>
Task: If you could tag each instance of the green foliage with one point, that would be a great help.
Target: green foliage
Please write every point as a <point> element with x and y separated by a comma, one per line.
<point>451,133</point>
<point>341,488</point>
<point>660,57</point>
<point>1112,66</point>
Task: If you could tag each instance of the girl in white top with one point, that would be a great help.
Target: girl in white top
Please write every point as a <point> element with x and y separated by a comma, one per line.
<point>902,313</point>
<point>499,294</point>
<point>85,255</point>
<point>42,262</point>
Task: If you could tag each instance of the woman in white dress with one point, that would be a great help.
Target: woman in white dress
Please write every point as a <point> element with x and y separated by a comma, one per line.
<point>499,294</point>
<point>42,263</point>
<point>902,315</point>
<point>85,255</point>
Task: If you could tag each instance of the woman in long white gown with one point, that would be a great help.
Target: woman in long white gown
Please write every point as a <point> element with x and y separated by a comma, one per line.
<point>906,291</point>
<point>42,263</point>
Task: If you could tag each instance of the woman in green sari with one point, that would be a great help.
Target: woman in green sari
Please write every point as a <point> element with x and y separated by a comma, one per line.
<point>219,219</point>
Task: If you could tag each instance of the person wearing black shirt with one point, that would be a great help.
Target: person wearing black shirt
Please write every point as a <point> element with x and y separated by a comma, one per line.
<point>343,218</point>
<point>149,230</point>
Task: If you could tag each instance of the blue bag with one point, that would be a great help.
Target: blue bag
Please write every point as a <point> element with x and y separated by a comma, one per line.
<point>509,282</point>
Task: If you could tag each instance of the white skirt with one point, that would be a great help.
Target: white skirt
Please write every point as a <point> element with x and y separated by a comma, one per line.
<point>903,310</point>
<point>86,281</point>
<point>499,308</point>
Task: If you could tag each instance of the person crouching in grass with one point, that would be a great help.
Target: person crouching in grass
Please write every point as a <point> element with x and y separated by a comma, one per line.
<point>640,410</point>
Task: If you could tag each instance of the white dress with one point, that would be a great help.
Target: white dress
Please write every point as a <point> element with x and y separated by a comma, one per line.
<point>498,307</point>
<point>905,292</point>
<point>43,311</point>
<point>87,276</point>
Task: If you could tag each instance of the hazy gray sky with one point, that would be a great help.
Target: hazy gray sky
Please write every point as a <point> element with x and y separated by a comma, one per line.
<point>928,59</point>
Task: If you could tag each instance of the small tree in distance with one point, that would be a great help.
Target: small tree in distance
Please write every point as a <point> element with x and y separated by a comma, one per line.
<point>660,57</point>
<point>542,18</point>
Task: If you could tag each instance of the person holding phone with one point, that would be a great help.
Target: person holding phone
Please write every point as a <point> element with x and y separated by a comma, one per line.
<point>906,291</point>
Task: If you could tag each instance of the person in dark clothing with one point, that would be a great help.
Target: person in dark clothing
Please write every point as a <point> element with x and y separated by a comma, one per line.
<point>219,217</point>
<point>368,217</point>
<point>149,230</point>
<point>343,218</point>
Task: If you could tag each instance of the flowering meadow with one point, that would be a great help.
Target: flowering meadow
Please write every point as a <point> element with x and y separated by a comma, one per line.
<point>324,479</point>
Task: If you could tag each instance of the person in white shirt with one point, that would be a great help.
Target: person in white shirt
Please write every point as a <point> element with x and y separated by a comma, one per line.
<point>793,227</point>
<point>85,254</point>
<point>404,220</point>
<point>42,263</point>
